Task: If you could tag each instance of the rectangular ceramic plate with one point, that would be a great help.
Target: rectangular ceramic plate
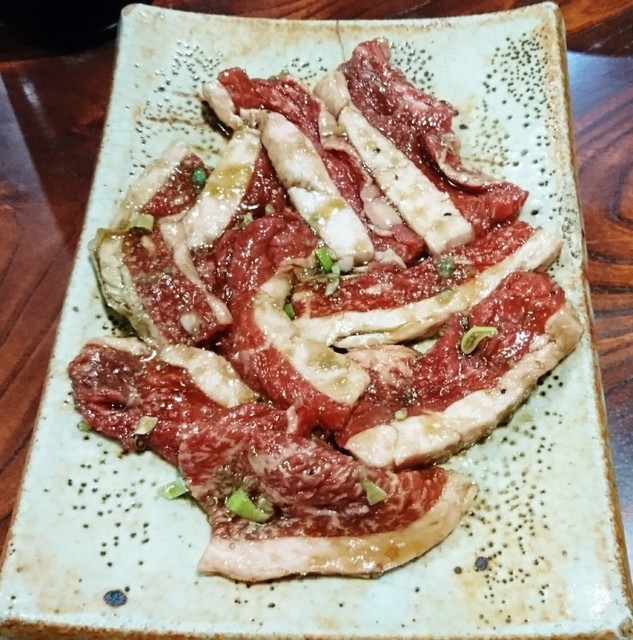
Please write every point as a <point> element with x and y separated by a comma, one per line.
<point>541,553</point>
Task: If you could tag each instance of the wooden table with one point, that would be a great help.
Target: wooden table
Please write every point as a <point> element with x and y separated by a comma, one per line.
<point>52,102</point>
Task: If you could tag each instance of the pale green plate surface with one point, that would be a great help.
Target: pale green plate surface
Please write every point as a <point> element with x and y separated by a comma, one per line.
<point>540,555</point>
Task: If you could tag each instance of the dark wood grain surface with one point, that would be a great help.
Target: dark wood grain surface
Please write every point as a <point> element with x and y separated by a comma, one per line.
<point>53,96</point>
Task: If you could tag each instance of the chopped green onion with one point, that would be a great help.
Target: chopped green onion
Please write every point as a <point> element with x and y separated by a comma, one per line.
<point>290,310</point>
<point>145,425</point>
<point>199,176</point>
<point>143,221</point>
<point>474,336</point>
<point>445,266</point>
<point>84,426</point>
<point>324,258</point>
<point>401,414</point>
<point>373,492</point>
<point>173,489</point>
<point>241,505</point>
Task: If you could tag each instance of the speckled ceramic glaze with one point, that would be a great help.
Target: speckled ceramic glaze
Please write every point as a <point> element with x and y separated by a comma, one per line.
<point>94,552</point>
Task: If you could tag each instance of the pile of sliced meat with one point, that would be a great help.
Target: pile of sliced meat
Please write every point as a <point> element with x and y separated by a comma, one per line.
<point>319,320</point>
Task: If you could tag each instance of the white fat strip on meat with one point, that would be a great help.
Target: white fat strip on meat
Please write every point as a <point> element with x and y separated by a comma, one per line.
<point>211,373</point>
<point>311,189</point>
<point>222,104</point>
<point>352,329</point>
<point>215,207</point>
<point>426,209</point>
<point>331,373</point>
<point>128,344</point>
<point>362,555</point>
<point>153,177</point>
<point>117,286</point>
<point>435,436</point>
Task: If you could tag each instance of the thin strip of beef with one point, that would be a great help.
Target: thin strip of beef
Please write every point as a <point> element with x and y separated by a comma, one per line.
<point>242,186</point>
<point>263,195</point>
<point>422,407</point>
<point>119,383</point>
<point>288,366</point>
<point>298,164</point>
<point>144,268</point>
<point>319,515</point>
<point>388,306</point>
<point>247,255</point>
<point>176,303</point>
<point>181,189</point>
<point>420,125</point>
<point>386,286</point>
<point>288,97</point>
